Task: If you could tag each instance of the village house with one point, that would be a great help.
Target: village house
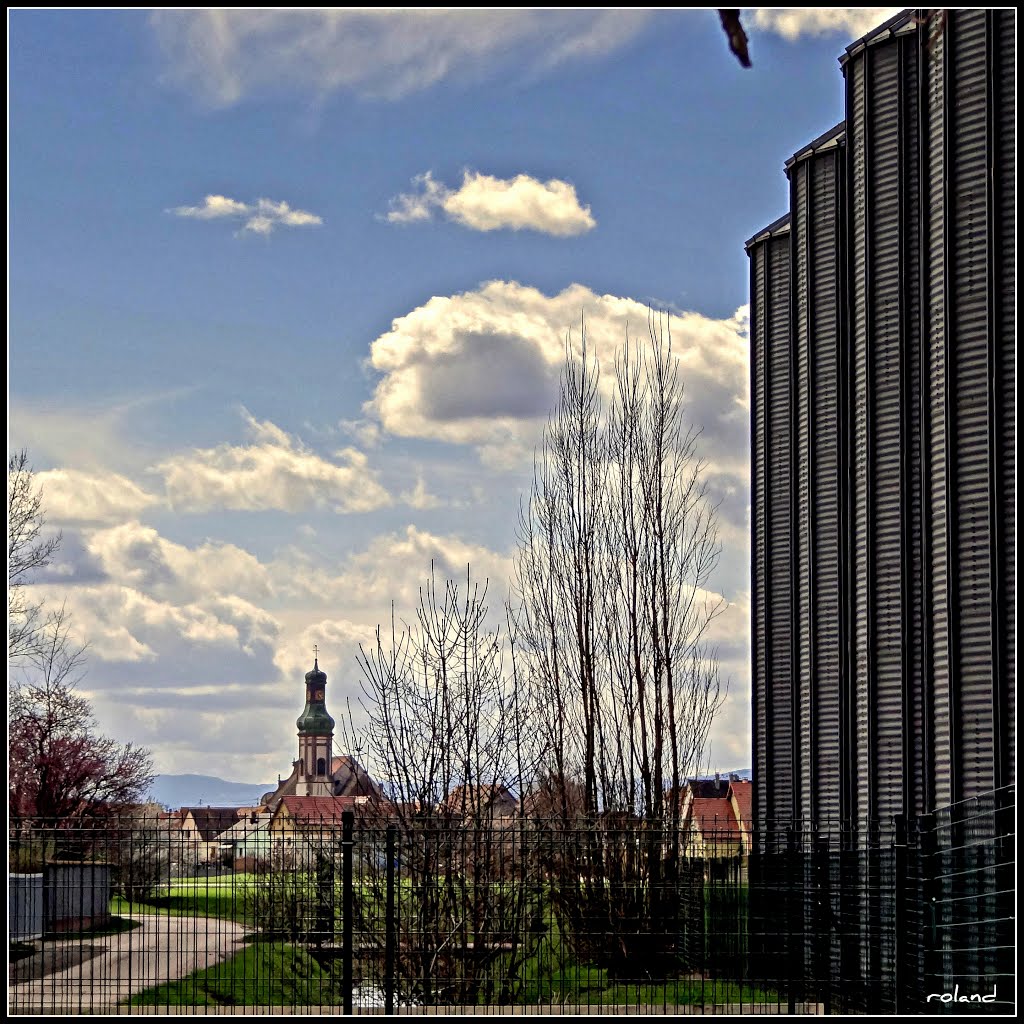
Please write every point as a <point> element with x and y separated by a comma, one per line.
<point>199,829</point>
<point>302,826</point>
<point>488,802</point>
<point>246,844</point>
<point>715,816</point>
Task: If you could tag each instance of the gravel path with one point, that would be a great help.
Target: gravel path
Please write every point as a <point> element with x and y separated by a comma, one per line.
<point>94,975</point>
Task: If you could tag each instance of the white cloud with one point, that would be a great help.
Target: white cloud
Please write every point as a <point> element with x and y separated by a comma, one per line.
<point>366,433</point>
<point>486,203</point>
<point>418,205</point>
<point>276,472</point>
<point>482,368</point>
<point>225,56</point>
<point>793,22</point>
<point>419,497</point>
<point>213,208</point>
<point>137,556</point>
<point>392,567</point>
<point>212,636</point>
<point>337,641</point>
<point>71,495</point>
<point>260,218</point>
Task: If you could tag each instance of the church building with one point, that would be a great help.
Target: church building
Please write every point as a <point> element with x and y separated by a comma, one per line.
<point>317,772</point>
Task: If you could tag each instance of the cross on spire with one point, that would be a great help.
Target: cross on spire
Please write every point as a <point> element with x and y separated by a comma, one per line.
<point>316,651</point>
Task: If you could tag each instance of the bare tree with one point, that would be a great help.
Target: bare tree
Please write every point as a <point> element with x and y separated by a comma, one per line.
<point>61,770</point>
<point>618,545</point>
<point>29,548</point>
<point>444,724</point>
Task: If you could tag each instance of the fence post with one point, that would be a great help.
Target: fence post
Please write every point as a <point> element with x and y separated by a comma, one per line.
<point>347,842</point>
<point>795,891</point>
<point>928,862</point>
<point>389,921</point>
<point>823,928</point>
<point>902,939</point>
<point>1004,884</point>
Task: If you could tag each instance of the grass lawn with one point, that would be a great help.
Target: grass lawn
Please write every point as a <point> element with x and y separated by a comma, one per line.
<point>280,974</point>
<point>261,974</point>
<point>224,896</point>
<point>226,904</point>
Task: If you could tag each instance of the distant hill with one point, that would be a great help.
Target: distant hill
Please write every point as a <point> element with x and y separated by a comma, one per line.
<point>746,774</point>
<point>193,790</point>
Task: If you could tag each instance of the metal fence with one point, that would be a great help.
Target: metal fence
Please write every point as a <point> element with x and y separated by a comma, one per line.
<point>513,915</point>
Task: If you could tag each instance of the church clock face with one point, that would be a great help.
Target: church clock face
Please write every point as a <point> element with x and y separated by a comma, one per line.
<point>318,695</point>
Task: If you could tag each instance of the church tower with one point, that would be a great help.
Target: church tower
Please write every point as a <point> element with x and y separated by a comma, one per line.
<point>316,735</point>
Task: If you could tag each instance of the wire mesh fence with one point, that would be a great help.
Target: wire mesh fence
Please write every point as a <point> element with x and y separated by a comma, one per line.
<point>508,914</point>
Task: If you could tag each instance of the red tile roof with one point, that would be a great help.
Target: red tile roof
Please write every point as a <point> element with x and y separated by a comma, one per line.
<point>743,794</point>
<point>714,817</point>
<point>320,808</point>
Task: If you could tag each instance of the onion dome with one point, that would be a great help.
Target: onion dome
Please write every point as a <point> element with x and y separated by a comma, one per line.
<point>314,718</point>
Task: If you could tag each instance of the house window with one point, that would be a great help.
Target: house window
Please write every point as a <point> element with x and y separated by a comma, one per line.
<point>321,766</point>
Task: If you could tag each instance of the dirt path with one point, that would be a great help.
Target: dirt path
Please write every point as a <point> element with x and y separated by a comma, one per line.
<point>83,975</point>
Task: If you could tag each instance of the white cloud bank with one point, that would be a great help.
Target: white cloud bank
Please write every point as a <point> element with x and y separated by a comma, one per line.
<point>486,203</point>
<point>75,496</point>
<point>224,56</point>
<point>794,22</point>
<point>482,368</point>
<point>392,567</point>
<point>277,471</point>
<point>137,556</point>
<point>200,651</point>
<point>259,218</point>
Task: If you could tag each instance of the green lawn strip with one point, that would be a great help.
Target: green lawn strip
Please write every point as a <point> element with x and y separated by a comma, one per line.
<point>261,974</point>
<point>231,906</point>
<point>686,992</point>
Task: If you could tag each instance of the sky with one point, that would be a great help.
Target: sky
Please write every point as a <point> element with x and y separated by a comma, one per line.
<point>288,299</point>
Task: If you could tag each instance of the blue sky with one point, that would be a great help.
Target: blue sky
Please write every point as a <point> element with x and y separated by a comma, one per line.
<point>262,389</point>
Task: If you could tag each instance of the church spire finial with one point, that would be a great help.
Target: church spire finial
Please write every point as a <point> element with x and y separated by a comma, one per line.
<point>316,651</point>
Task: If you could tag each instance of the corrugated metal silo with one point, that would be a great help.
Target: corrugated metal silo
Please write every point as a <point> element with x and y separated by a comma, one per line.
<point>815,175</point>
<point>771,470</point>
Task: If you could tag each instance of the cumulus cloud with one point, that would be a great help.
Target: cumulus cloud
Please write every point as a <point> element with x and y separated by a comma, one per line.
<point>139,557</point>
<point>203,638</point>
<point>486,203</point>
<point>224,56</point>
<point>392,567</point>
<point>482,368</point>
<point>793,22</point>
<point>259,218</point>
<point>277,471</point>
<point>337,641</point>
<point>74,496</point>
<point>420,497</point>
<point>366,433</point>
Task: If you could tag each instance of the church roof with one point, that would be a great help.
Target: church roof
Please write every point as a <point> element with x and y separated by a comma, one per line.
<point>312,809</point>
<point>314,718</point>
